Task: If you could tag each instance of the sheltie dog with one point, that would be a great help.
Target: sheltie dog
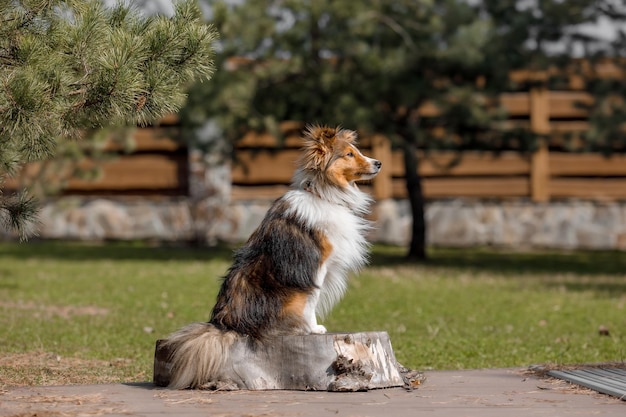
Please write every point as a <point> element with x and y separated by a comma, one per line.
<point>294,266</point>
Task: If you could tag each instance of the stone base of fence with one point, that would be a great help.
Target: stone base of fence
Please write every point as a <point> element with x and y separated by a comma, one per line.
<point>572,224</point>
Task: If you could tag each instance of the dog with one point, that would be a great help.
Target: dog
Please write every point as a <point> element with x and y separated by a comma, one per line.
<point>294,267</point>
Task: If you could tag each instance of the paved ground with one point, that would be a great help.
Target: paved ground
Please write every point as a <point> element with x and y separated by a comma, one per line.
<point>484,393</point>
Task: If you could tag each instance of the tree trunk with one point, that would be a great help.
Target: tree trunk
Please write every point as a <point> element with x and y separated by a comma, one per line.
<point>333,362</point>
<point>417,247</point>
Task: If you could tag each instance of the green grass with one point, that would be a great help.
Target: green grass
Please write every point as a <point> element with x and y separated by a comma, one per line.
<point>105,305</point>
<point>476,309</point>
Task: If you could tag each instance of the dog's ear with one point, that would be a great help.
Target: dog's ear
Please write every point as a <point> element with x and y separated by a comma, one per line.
<point>322,135</point>
<point>318,146</point>
<point>346,135</point>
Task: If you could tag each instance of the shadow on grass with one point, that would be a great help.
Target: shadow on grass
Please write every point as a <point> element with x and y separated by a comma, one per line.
<point>602,272</point>
<point>611,264</point>
<point>508,262</point>
<point>140,251</point>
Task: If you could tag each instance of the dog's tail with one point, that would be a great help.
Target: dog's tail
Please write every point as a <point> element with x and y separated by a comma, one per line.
<point>198,352</point>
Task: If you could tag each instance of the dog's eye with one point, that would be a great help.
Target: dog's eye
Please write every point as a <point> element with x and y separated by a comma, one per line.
<point>350,154</point>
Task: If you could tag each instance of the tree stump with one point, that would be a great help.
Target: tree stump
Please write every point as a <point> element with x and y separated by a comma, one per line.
<point>328,362</point>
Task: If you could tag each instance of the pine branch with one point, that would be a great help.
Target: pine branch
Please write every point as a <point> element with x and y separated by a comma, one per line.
<point>70,65</point>
<point>19,213</point>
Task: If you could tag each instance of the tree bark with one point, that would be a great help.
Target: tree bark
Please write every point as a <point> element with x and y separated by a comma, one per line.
<point>417,247</point>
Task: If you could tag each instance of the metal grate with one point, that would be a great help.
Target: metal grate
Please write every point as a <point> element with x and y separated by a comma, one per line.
<point>610,381</point>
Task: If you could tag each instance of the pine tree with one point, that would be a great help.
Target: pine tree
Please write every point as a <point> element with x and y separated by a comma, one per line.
<point>68,66</point>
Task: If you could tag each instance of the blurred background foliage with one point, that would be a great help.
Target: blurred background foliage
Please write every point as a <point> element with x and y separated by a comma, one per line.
<point>371,64</point>
<point>377,66</point>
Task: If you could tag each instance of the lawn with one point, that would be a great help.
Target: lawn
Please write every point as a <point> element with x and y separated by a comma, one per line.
<point>88,313</point>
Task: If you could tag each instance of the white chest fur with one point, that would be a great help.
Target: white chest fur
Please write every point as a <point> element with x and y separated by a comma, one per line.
<point>345,231</point>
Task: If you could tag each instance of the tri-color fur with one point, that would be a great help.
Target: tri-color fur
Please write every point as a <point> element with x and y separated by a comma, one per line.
<point>294,266</point>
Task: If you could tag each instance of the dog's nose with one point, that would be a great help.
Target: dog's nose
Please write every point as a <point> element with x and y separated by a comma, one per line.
<point>377,163</point>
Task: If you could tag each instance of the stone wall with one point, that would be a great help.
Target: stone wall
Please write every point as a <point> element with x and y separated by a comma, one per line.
<point>207,215</point>
<point>103,219</point>
<point>573,224</point>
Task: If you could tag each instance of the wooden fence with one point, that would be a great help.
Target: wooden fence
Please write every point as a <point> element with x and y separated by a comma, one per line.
<point>157,166</point>
<point>263,168</point>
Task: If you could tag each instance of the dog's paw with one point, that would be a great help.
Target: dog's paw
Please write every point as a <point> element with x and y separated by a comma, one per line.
<point>318,329</point>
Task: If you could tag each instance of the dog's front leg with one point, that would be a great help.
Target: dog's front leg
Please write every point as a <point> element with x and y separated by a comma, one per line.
<point>311,304</point>
<point>309,313</point>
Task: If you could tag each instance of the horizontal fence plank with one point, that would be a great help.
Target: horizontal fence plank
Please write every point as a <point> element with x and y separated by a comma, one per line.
<point>562,104</point>
<point>603,68</point>
<point>567,126</point>
<point>571,164</point>
<point>144,172</point>
<point>149,139</point>
<point>565,104</point>
<point>156,139</point>
<point>268,141</point>
<point>156,173</point>
<point>428,109</point>
<point>468,187</point>
<point>291,139</point>
<point>469,163</point>
<point>170,119</point>
<point>270,192</point>
<point>260,192</point>
<point>590,188</point>
<point>263,167</point>
<point>516,104</point>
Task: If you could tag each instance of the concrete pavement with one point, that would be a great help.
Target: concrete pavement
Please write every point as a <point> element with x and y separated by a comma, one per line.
<point>484,393</point>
